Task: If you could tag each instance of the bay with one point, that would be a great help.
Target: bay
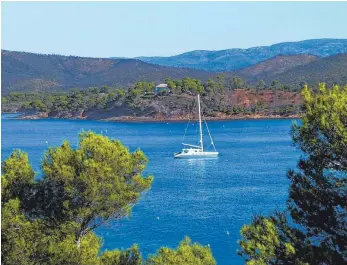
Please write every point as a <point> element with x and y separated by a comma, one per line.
<point>208,199</point>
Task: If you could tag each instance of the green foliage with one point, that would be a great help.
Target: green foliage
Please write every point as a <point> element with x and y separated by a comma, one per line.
<point>323,133</point>
<point>286,110</point>
<point>130,256</point>
<point>66,251</point>
<point>186,253</point>
<point>76,100</point>
<point>51,221</point>
<point>4,100</point>
<point>318,191</point>
<point>17,176</point>
<point>20,238</point>
<point>237,83</point>
<point>260,241</point>
<point>39,105</point>
<point>211,86</point>
<point>261,84</point>
<point>172,85</point>
<point>276,85</point>
<point>193,86</point>
<point>316,232</point>
<point>141,98</point>
<point>101,180</point>
<point>141,88</point>
<point>271,241</point>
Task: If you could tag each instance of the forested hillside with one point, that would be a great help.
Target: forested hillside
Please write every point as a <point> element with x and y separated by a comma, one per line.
<point>221,98</point>
<point>267,70</point>
<point>23,71</point>
<point>30,72</point>
<point>331,70</point>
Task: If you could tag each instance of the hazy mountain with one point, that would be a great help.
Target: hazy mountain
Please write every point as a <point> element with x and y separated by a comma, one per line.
<point>274,66</point>
<point>330,70</point>
<point>232,59</point>
<point>22,71</point>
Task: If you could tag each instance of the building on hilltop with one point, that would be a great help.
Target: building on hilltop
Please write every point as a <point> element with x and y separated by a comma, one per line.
<point>162,88</point>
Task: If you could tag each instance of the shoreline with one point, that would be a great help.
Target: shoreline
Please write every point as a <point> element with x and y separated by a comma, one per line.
<point>229,118</point>
<point>157,119</point>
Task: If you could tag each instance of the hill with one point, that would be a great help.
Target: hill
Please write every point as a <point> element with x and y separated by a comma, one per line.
<point>114,104</point>
<point>22,71</point>
<point>233,59</point>
<point>271,67</point>
<point>36,72</point>
<point>329,70</point>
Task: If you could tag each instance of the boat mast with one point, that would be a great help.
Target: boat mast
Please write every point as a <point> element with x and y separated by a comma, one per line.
<point>201,143</point>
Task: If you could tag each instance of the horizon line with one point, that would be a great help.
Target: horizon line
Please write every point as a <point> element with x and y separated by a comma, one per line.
<point>137,57</point>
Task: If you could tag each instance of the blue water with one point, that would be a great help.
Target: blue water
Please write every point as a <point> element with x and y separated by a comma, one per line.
<point>202,199</point>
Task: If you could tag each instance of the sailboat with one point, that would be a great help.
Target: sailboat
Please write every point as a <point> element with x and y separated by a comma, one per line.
<point>197,151</point>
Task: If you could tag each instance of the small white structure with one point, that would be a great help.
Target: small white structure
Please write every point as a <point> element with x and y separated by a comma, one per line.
<point>161,88</point>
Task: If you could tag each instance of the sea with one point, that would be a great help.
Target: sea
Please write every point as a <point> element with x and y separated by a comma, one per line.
<point>208,200</point>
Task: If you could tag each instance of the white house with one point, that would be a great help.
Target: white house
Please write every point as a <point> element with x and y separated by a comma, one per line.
<point>162,88</point>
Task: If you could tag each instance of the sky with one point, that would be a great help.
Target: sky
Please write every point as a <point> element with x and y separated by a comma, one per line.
<point>129,29</point>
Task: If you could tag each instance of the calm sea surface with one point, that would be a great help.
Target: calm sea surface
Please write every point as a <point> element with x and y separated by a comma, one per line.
<point>207,200</point>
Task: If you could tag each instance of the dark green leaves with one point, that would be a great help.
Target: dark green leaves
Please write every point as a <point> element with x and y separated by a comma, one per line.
<point>316,233</point>
<point>17,176</point>
<point>51,221</point>
<point>318,192</point>
<point>187,253</point>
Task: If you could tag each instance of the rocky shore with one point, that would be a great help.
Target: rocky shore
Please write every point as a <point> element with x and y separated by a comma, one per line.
<point>157,118</point>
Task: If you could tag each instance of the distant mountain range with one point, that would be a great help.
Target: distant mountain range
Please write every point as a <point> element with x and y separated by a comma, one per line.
<point>22,71</point>
<point>233,59</point>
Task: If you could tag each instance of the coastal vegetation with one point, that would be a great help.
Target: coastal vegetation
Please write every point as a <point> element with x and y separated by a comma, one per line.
<point>52,219</point>
<point>222,97</point>
<point>312,230</point>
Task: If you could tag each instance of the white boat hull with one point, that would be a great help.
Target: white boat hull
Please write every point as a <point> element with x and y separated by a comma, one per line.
<point>195,154</point>
<point>197,151</point>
